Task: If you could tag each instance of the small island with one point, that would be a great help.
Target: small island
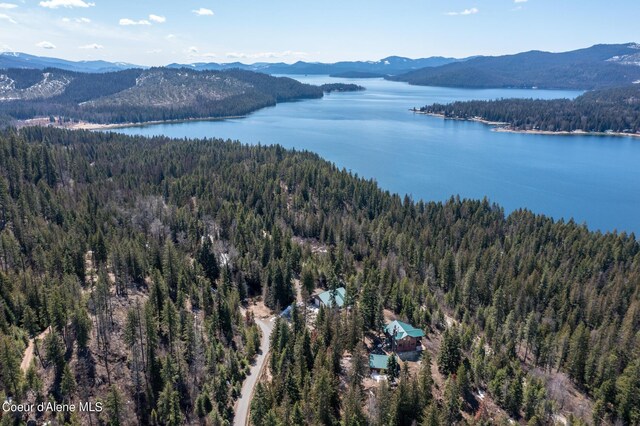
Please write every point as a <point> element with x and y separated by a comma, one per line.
<point>613,111</point>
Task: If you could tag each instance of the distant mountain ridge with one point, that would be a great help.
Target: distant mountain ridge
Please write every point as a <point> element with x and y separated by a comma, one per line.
<point>595,67</point>
<point>599,66</point>
<point>391,65</point>
<point>24,60</point>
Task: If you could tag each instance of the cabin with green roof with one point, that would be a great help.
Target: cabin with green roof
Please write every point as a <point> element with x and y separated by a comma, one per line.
<point>327,298</point>
<point>403,337</point>
<point>378,363</point>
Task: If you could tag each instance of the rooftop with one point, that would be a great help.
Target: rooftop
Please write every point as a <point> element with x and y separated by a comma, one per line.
<point>378,362</point>
<point>402,330</point>
<point>326,297</point>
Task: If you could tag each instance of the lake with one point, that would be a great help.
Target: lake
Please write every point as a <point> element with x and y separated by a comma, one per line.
<point>593,179</point>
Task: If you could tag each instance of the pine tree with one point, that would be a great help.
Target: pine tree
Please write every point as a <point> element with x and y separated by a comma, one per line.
<point>169,411</point>
<point>353,414</point>
<point>447,272</point>
<point>450,355</point>
<point>82,328</point>
<point>393,368</point>
<point>259,405</point>
<point>114,406</point>
<point>451,400</point>
<point>628,394</point>
<point>67,382</point>
<point>10,374</point>
<point>425,380</point>
<point>208,260</point>
<point>430,415</point>
<point>99,247</point>
<point>54,351</point>
<point>578,352</point>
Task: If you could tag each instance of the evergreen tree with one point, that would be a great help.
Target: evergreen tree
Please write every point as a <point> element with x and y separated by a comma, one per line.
<point>393,368</point>
<point>450,354</point>
<point>67,383</point>
<point>10,374</point>
<point>578,352</point>
<point>114,407</point>
<point>208,260</point>
<point>451,400</point>
<point>259,405</point>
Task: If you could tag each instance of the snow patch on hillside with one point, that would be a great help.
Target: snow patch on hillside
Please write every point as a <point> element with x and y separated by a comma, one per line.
<point>51,85</point>
<point>631,59</point>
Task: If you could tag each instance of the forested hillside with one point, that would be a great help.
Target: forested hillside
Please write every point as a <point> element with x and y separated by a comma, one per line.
<point>136,253</point>
<point>135,95</point>
<point>599,66</point>
<point>606,110</point>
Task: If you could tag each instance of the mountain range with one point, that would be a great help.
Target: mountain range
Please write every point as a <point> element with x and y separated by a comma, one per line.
<point>24,60</point>
<point>599,66</point>
<point>391,65</point>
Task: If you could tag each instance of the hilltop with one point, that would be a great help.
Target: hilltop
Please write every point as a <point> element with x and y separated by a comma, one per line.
<point>138,95</point>
<point>603,65</point>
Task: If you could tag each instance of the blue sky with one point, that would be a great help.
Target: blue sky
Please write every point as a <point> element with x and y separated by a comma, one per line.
<point>154,32</point>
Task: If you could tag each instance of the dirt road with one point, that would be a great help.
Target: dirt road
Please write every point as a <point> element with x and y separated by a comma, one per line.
<point>30,352</point>
<point>244,402</point>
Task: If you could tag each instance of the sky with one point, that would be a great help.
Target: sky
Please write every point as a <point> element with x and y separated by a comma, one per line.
<point>158,32</point>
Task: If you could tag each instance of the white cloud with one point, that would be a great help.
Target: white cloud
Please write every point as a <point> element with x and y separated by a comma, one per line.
<point>158,19</point>
<point>8,6</point>
<point>4,17</point>
<point>77,20</point>
<point>46,45</point>
<point>170,36</point>
<point>127,21</point>
<point>194,52</point>
<point>54,4</point>
<point>471,11</point>
<point>154,51</point>
<point>203,12</point>
<point>263,55</point>
<point>92,46</point>
<point>519,1</point>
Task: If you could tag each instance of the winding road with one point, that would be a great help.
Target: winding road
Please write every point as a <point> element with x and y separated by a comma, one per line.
<point>29,353</point>
<point>244,402</point>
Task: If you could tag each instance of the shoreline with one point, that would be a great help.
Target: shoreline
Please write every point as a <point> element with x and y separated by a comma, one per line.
<point>565,133</point>
<point>503,127</point>
<point>86,125</point>
<point>474,119</point>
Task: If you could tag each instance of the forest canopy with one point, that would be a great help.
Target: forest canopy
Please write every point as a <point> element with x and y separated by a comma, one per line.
<point>135,254</point>
<point>607,110</point>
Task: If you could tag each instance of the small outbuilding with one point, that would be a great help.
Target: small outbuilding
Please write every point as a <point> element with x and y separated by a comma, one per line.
<point>328,298</point>
<point>378,363</point>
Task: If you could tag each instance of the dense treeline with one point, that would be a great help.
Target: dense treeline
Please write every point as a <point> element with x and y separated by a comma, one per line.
<point>184,228</point>
<point>341,87</point>
<point>128,97</point>
<point>606,110</point>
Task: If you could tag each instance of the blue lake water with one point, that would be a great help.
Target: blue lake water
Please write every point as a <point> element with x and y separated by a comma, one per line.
<point>593,179</point>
